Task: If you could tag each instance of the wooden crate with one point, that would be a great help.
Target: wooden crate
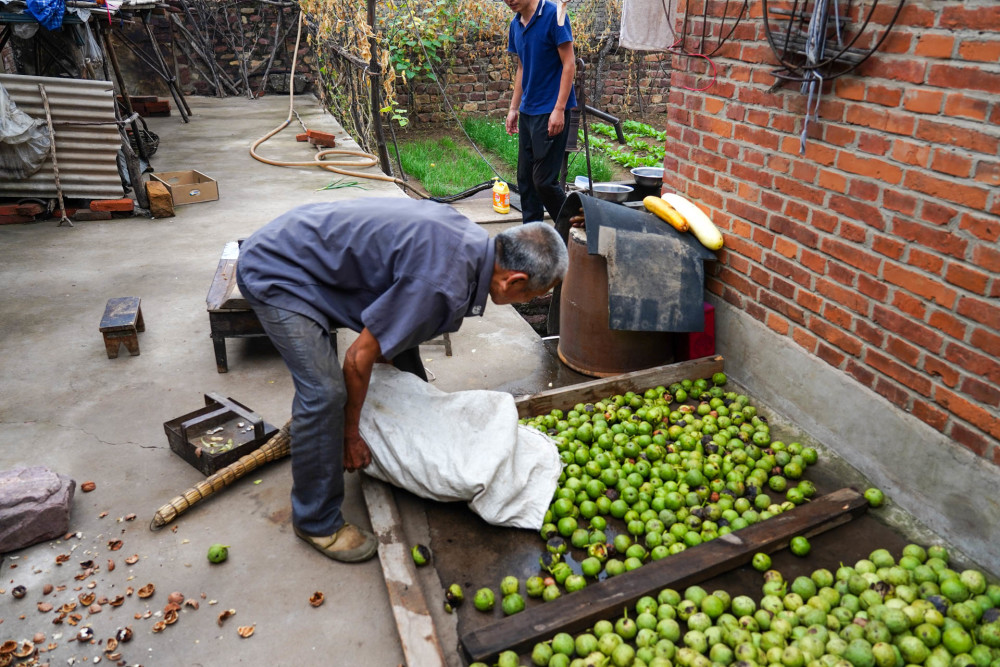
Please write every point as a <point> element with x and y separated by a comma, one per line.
<point>605,599</point>
<point>190,436</point>
<point>596,390</point>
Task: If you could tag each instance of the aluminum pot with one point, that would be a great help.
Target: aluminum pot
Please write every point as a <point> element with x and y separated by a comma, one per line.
<point>648,177</point>
<point>612,191</point>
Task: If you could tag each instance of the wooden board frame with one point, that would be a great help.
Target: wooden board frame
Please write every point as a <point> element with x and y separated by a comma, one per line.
<point>606,599</point>
<point>595,390</point>
<point>417,634</point>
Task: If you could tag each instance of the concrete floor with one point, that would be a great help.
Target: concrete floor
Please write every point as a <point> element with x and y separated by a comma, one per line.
<point>65,405</point>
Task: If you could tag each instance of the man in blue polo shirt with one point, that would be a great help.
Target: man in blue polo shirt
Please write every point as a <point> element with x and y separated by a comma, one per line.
<point>398,271</point>
<point>539,107</point>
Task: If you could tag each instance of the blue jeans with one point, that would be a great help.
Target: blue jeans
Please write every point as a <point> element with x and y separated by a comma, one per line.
<point>317,431</point>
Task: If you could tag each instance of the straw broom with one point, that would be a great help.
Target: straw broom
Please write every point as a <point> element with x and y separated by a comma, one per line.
<point>277,447</point>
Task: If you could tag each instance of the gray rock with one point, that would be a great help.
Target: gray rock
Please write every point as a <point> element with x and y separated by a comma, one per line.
<point>35,505</point>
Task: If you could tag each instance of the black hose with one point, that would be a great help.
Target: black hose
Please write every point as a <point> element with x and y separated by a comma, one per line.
<point>468,193</point>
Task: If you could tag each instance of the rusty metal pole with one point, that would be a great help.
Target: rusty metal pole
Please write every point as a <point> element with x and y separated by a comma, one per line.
<point>131,159</point>
<point>109,50</point>
<point>375,83</point>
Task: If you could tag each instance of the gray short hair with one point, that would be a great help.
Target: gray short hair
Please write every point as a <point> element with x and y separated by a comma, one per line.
<point>536,249</point>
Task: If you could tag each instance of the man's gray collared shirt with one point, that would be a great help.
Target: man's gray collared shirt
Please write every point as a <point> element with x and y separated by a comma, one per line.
<point>407,270</point>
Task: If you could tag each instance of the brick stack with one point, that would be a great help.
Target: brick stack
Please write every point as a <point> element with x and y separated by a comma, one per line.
<point>148,106</point>
<point>877,249</point>
<point>12,214</point>
<point>81,211</point>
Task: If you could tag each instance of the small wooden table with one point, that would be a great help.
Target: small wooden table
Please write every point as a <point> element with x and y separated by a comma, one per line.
<point>229,314</point>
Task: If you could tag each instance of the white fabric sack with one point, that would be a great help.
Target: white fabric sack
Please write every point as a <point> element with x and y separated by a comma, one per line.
<point>648,25</point>
<point>24,141</point>
<point>463,446</point>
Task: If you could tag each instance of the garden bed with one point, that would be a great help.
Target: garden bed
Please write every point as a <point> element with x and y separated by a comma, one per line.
<point>441,158</point>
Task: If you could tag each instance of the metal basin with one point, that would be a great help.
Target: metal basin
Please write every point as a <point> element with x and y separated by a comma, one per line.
<point>612,191</point>
<point>648,176</point>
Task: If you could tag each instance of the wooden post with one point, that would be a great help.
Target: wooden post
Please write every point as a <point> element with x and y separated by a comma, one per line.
<point>55,161</point>
<point>375,83</point>
<point>122,88</point>
<point>164,71</point>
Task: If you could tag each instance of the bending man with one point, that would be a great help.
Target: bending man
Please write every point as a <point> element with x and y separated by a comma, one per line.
<point>399,272</point>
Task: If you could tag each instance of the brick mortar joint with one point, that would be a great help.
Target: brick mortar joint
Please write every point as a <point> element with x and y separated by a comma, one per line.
<point>992,197</point>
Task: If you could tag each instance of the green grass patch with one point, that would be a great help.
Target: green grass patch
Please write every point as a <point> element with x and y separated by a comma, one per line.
<point>492,136</point>
<point>600,168</point>
<point>445,167</point>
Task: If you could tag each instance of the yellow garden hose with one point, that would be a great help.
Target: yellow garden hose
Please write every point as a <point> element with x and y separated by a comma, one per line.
<point>341,167</point>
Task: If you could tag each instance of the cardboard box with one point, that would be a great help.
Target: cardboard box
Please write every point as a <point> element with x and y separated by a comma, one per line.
<point>189,187</point>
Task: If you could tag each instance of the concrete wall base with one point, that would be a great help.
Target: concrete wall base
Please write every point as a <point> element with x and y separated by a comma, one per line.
<point>944,486</point>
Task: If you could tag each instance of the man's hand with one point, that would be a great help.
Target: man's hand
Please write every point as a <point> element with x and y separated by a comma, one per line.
<point>356,453</point>
<point>512,121</point>
<point>557,121</point>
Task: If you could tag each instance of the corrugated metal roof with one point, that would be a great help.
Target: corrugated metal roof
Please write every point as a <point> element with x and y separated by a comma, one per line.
<point>87,154</point>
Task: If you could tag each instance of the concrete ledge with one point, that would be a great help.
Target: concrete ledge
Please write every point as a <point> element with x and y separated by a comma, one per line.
<point>946,487</point>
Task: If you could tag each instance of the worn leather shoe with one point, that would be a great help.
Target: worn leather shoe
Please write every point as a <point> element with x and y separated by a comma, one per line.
<point>350,544</point>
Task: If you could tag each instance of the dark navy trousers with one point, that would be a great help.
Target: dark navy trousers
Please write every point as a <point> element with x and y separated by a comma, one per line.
<point>539,160</point>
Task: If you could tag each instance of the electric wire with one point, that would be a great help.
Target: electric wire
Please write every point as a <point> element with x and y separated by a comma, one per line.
<point>833,63</point>
<point>678,48</point>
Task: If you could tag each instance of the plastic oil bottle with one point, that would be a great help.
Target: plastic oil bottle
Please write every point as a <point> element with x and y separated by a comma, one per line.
<point>501,196</point>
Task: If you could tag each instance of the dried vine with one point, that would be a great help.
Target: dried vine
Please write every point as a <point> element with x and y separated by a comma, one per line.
<point>243,27</point>
<point>420,40</point>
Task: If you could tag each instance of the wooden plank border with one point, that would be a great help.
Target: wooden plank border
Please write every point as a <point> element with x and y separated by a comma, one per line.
<point>417,633</point>
<point>605,599</point>
<point>595,390</point>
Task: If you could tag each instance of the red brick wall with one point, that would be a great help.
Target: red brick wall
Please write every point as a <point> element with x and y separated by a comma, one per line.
<point>877,250</point>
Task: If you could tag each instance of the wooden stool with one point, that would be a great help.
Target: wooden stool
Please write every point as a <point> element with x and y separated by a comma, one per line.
<point>121,323</point>
<point>444,340</point>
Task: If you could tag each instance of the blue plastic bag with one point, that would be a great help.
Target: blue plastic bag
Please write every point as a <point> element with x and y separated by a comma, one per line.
<point>49,13</point>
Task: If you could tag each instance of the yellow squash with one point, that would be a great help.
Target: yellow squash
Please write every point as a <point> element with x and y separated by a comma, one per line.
<point>700,225</point>
<point>666,212</point>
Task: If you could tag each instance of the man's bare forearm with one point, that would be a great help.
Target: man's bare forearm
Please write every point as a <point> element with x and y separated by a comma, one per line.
<point>358,362</point>
<point>568,58</point>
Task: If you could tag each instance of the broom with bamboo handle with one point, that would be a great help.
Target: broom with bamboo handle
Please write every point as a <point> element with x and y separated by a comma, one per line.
<point>277,447</point>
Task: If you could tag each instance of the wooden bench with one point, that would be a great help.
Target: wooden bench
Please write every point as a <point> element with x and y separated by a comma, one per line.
<point>229,314</point>
<point>121,324</point>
